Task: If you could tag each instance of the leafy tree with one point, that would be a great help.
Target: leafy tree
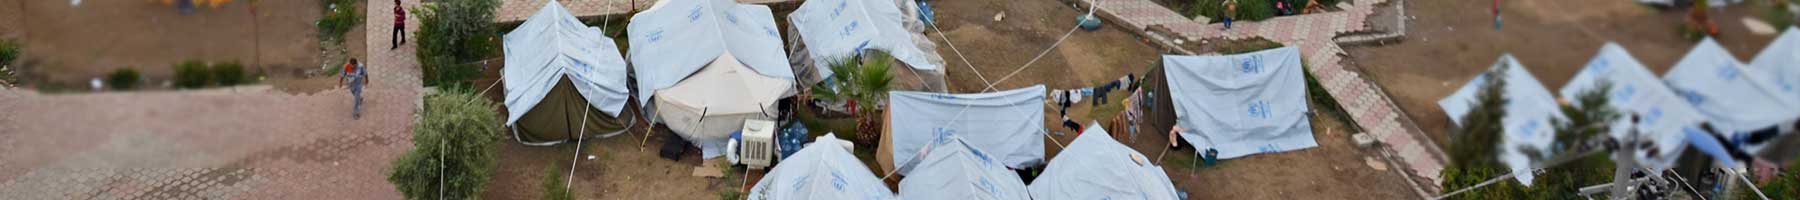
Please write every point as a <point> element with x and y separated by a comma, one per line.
<point>1474,145</point>
<point>452,34</point>
<point>1473,160</point>
<point>864,84</point>
<point>456,143</point>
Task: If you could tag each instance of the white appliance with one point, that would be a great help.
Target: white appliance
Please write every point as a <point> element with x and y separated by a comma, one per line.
<point>759,143</point>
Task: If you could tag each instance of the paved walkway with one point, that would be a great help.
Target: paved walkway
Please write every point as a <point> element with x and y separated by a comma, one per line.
<point>518,10</point>
<point>1313,34</point>
<point>229,143</point>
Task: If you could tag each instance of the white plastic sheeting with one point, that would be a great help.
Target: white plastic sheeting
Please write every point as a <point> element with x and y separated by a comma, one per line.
<point>1095,166</point>
<point>1734,97</point>
<point>840,28</point>
<point>1782,60</point>
<point>707,107</point>
<point>1635,90</point>
<point>1529,109</point>
<point>673,39</point>
<point>822,170</point>
<point>1007,124</point>
<point>955,169</point>
<point>1241,104</point>
<point>551,45</point>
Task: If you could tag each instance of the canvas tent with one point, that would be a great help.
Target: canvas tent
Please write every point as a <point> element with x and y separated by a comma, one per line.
<point>1781,59</point>
<point>1529,109</point>
<point>708,65</point>
<point>1007,124</point>
<point>557,70</point>
<point>832,29</point>
<point>822,170</point>
<point>953,168</point>
<point>1734,97</point>
<point>1635,90</point>
<point>1241,104</point>
<point>1095,166</point>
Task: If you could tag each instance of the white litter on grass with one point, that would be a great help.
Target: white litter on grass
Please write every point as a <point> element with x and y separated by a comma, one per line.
<point>75,2</point>
<point>1001,16</point>
<point>1375,164</point>
<point>96,84</point>
<point>1757,26</point>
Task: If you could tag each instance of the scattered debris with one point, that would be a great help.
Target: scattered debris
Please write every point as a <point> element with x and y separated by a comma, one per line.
<point>1363,140</point>
<point>1001,16</point>
<point>1758,27</point>
<point>1375,164</point>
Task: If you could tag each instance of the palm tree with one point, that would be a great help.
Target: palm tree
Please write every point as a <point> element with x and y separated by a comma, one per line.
<point>864,85</point>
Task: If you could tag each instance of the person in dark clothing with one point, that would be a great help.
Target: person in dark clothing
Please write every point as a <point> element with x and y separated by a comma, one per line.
<point>399,25</point>
<point>1071,124</point>
<point>1065,103</point>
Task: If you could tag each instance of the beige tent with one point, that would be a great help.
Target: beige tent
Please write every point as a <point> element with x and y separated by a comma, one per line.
<point>715,101</point>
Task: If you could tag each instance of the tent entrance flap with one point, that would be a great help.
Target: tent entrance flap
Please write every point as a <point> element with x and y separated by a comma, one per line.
<point>559,116</point>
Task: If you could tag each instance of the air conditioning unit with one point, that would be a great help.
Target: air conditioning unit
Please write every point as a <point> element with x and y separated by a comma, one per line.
<point>759,144</point>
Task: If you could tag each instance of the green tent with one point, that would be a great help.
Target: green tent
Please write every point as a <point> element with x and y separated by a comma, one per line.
<point>559,118</point>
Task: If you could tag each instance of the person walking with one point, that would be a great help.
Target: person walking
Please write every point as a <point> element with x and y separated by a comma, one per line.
<point>399,25</point>
<point>1230,12</point>
<point>358,76</point>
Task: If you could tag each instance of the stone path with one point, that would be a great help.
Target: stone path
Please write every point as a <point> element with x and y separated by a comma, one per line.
<point>229,143</point>
<point>1313,34</point>
<point>518,10</point>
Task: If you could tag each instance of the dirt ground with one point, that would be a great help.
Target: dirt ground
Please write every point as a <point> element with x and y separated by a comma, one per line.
<point>1336,169</point>
<point>70,44</point>
<point>997,48</point>
<point>1451,41</point>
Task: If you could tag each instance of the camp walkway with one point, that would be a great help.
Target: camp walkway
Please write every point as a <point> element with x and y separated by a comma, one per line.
<point>1314,34</point>
<point>227,143</point>
<point>517,10</point>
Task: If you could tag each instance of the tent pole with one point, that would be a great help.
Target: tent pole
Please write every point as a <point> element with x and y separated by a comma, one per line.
<point>578,142</point>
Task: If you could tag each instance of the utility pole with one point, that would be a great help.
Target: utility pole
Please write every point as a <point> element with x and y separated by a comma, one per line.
<point>1627,163</point>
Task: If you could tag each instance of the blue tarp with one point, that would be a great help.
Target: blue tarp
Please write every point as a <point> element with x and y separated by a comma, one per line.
<point>551,45</point>
<point>1007,124</point>
<point>674,39</point>
<point>1095,166</point>
<point>1735,98</point>
<point>822,170</point>
<point>1241,104</point>
<point>1635,90</point>
<point>840,28</point>
<point>1529,109</point>
<point>953,168</point>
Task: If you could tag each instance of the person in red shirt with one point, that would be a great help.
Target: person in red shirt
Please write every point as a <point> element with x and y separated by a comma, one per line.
<point>399,25</point>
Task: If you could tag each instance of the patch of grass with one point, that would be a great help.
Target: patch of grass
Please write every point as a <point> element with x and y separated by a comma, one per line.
<point>1247,10</point>
<point>123,79</point>
<point>340,16</point>
<point>191,74</point>
<point>553,184</point>
<point>817,126</point>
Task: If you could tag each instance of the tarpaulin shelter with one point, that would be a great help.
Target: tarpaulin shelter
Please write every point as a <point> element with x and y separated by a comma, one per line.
<point>1095,166</point>
<point>1007,124</point>
<point>1781,59</point>
<point>558,70</point>
<point>708,65</point>
<point>1636,91</point>
<point>836,29</point>
<point>1241,104</point>
<point>1736,98</point>
<point>822,170</point>
<point>953,168</point>
<point>1529,108</point>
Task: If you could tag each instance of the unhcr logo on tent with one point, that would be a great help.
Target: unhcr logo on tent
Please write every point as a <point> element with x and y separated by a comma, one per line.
<point>1728,71</point>
<point>1251,65</point>
<point>1597,66</point>
<point>694,14</point>
<point>656,36</point>
<point>1260,109</point>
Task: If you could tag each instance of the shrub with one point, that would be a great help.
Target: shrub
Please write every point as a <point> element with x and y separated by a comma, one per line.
<point>553,184</point>
<point>9,51</point>
<point>229,74</point>
<point>459,132</point>
<point>1247,10</point>
<point>340,16</point>
<point>191,74</point>
<point>123,79</point>
<point>451,34</point>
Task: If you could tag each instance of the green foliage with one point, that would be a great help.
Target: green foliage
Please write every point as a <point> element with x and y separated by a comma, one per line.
<point>1301,4</point>
<point>340,16</point>
<point>1473,153</point>
<point>9,51</point>
<point>191,74</point>
<point>459,132</point>
<point>229,74</point>
<point>1586,119</point>
<point>866,83</point>
<point>1776,13</point>
<point>1475,143</point>
<point>123,79</point>
<point>1784,186</point>
<point>1316,94</point>
<point>553,184</point>
<point>1247,10</point>
<point>452,34</point>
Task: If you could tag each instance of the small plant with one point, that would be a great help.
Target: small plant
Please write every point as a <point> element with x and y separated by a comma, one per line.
<point>863,84</point>
<point>456,142</point>
<point>229,74</point>
<point>453,33</point>
<point>340,17</point>
<point>1247,10</point>
<point>123,79</point>
<point>553,184</point>
<point>9,51</point>
<point>191,74</point>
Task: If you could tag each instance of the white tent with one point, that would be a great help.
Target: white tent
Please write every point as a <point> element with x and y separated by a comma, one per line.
<point>1635,90</point>
<point>955,169</point>
<point>552,44</point>
<point>1529,109</point>
<point>1782,60</point>
<point>744,74</point>
<point>841,28</point>
<point>1241,104</point>
<point>822,170</point>
<point>1734,97</point>
<point>1007,124</point>
<point>1095,166</point>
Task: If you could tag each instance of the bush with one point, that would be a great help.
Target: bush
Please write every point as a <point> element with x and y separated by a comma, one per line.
<point>553,185</point>
<point>1247,10</point>
<point>453,33</point>
<point>123,79</point>
<point>229,74</point>
<point>9,51</point>
<point>460,132</point>
<point>191,74</point>
<point>340,17</point>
